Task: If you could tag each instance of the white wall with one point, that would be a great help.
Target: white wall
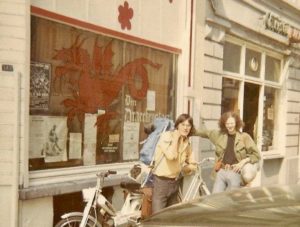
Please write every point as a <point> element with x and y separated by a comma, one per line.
<point>155,20</point>
<point>36,212</point>
<point>13,51</point>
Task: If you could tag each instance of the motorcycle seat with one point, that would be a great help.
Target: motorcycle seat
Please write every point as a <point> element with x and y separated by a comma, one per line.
<point>130,185</point>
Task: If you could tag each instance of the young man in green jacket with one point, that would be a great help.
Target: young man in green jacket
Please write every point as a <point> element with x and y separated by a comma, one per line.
<point>236,153</point>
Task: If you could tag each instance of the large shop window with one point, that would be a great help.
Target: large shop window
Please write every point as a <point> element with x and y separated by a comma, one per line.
<point>91,95</point>
<point>251,86</point>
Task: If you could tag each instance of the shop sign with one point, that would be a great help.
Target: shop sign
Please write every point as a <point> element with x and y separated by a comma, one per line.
<point>275,24</point>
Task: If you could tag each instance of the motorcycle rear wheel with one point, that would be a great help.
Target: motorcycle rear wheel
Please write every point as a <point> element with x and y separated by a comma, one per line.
<point>74,221</point>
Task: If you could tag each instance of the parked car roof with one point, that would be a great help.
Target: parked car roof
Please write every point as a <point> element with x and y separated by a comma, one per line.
<point>260,206</point>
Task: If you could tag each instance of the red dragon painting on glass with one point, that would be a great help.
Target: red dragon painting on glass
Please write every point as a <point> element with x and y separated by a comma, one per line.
<point>98,84</point>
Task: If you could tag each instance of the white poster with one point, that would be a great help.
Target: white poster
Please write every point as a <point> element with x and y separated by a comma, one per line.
<point>90,139</point>
<point>75,146</point>
<point>48,136</point>
<point>151,100</point>
<point>131,140</point>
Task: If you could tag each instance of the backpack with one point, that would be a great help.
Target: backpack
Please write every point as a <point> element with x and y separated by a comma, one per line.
<point>149,145</point>
<point>142,172</point>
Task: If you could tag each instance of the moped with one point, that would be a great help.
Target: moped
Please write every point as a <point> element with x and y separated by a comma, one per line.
<point>98,207</point>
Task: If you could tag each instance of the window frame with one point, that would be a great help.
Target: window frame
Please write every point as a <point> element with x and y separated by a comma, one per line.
<point>243,78</point>
<point>38,178</point>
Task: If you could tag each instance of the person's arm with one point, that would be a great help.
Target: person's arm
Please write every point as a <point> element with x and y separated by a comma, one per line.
<point>168,144</point>
<point>238,167</point>
<point>252,153</point>
<point>190,164</point>
<point>251,148</point>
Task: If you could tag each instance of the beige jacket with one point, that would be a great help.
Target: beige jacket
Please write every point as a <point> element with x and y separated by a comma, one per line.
<point>168,162</point>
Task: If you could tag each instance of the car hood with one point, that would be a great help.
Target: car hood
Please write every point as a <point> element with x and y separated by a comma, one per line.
<point>260,206</point>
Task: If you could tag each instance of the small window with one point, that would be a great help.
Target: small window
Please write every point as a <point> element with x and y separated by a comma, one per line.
<point>252,63</point>
<point>272,69</point>
<point>232,56</point>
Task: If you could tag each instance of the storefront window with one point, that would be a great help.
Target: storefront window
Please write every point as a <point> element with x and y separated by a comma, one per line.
<point>269,119</point>
<point>90,96</point>
<point>254,94</point>
<point>232,53</point>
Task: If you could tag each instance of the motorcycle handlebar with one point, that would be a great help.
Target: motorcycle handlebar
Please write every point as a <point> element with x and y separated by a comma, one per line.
<point>107,173</point>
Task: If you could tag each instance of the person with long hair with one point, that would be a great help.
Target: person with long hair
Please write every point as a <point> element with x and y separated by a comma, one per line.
<point>236,153</point>
<point>173,154</point>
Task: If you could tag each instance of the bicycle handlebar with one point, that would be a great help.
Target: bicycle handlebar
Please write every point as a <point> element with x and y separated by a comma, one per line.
<point>208,159</point>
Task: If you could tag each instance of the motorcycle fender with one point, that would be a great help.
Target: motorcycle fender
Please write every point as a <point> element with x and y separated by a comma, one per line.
<point>74,214</point>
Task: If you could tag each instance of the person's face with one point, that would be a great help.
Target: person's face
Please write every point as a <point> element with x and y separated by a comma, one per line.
<point>230,125</point>
<point>184,128</point>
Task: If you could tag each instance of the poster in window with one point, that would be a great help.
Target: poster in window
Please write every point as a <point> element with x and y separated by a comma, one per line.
<point>48,136</point>
<point>75,145</point>
<point>90,139</point>
<point>131,141</point>
<point>150,100</point>
<point>39,86</point>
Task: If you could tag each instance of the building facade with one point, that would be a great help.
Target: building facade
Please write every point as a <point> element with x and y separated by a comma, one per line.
<point>81,79</point>
<point>251,66</point>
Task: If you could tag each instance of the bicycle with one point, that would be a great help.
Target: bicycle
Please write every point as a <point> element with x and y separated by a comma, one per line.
<point>129,215</point>
<point>197,186</point>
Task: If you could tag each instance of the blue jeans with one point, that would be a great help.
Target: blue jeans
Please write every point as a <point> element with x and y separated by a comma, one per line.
<point>226,180</point>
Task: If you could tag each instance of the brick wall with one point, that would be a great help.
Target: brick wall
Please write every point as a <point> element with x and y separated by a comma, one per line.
<point>293,125</point>
<point>13,48</point>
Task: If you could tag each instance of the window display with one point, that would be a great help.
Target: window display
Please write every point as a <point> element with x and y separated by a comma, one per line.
<point>90,95</point>
<point>269,119</point>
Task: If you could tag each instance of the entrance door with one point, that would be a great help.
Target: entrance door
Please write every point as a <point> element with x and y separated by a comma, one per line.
<point>250,113</point>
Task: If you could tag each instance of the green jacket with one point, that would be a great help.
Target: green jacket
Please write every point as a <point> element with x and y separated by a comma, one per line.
<point>244,146</point>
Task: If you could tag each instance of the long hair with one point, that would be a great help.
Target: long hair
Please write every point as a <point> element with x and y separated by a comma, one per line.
<point>183,117</point>
<point>238,121</point>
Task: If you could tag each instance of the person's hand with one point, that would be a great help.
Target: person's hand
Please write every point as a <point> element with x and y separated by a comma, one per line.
<point>238,167</point>
<point>189,168</point>
<point>176,135</point>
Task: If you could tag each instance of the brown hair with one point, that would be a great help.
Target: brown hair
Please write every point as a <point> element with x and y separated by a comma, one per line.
<point>183,117</point>
<point>238,121</point>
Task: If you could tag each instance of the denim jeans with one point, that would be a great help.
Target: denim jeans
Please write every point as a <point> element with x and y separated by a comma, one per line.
<point>226,180</point>
<point>165,193</point>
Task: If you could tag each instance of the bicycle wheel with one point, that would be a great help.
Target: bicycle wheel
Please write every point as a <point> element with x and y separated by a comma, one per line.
<point>74,221</point>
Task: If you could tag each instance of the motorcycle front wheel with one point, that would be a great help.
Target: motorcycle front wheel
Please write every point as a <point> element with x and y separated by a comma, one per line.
<point>74,221</point>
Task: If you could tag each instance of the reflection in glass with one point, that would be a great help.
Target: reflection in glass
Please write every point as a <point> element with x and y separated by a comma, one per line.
<point>269,119</point>
<point>231,56</point>
<point>252,63</point>
<point>230,92</point>
<point>272,69</point>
